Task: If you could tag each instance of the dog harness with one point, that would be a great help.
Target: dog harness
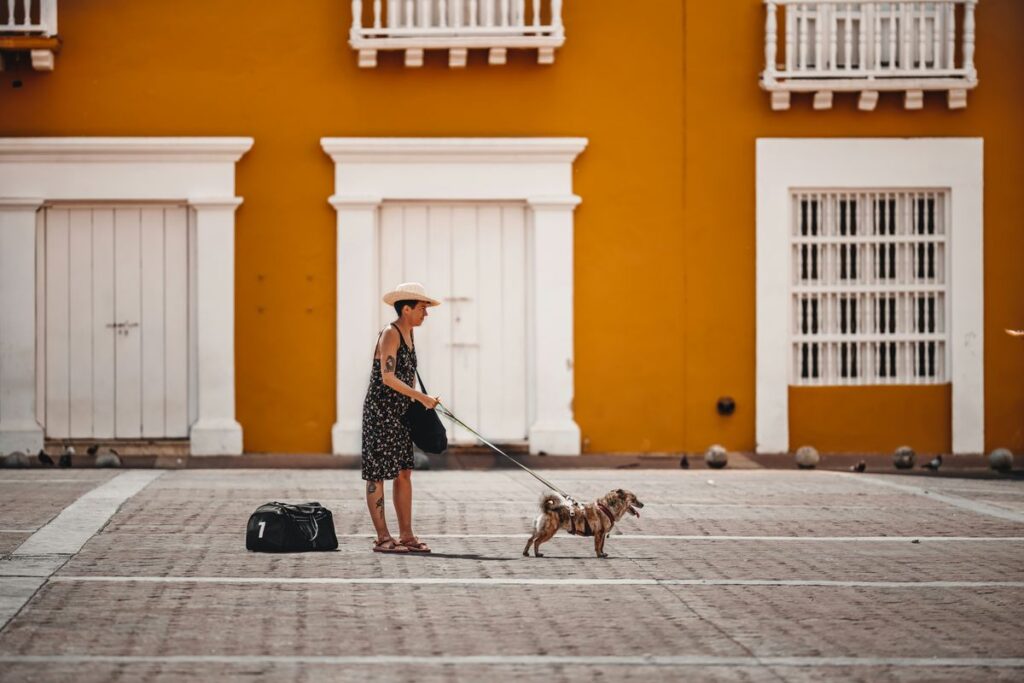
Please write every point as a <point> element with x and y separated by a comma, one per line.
<point>586,530</point>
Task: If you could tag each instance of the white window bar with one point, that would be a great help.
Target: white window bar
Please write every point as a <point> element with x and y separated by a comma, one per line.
<point>869,287</point>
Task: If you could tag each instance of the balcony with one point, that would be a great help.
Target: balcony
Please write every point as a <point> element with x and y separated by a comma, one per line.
<point>28,26</point>
<point>867,47</point>
<point>457,26</point>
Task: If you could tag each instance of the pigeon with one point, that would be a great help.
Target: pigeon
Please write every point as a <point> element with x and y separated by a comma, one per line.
<point>684,462</point>
<point>859,467</point>
<point>65,457</point>
<point>934,464</point>
<point>93,449</point>
<point>44,459</point>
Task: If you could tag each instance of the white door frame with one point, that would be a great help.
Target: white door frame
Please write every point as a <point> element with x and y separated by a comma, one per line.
<point>536,171</point>
<point>197,171</point>
<point>853,163</point>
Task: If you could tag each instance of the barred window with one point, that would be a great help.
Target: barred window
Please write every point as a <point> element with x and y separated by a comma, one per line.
<point>870,287</point>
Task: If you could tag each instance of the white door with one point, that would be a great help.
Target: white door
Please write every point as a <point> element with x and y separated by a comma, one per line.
<point>471,349</point>
<point>114,300</point>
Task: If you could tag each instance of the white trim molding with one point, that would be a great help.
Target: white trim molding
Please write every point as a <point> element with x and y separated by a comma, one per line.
<point>535,171</point>
<point>950,164</point>
<point>199,172</point>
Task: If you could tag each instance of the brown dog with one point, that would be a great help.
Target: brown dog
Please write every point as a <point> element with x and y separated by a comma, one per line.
<point>593,519</point>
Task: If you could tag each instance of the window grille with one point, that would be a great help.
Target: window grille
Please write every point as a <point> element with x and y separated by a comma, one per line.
<point>870,287</point>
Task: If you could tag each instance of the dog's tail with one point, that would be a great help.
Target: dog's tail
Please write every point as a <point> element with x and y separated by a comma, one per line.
<point>551,502</point>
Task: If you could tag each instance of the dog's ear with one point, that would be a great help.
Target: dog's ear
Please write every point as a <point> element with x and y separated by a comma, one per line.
<point>622,494</point>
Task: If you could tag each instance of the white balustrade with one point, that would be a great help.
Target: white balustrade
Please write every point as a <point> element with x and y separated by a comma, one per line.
<point>34,17</point>
<point>868,46</point>
<point>457,26</point>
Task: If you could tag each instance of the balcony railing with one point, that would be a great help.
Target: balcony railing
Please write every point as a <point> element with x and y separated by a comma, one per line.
<point>29,25</point>
<point>868,46</point>
<point>456,26</point>
<point>29,17</point>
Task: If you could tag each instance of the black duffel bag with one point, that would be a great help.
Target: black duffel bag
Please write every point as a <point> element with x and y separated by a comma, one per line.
<point>428,433</point>
<point>284,528</point>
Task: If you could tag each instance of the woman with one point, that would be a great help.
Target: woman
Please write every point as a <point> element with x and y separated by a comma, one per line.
<point>387,441</point>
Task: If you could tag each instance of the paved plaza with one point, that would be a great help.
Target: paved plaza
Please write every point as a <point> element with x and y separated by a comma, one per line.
<point>744,575</point>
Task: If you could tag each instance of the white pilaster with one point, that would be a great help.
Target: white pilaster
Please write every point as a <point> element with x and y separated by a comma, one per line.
<point>19,430</point>
<point>357,314</point>
<point>967,305</point>
<point>554,431</point>
<point>215,432</point>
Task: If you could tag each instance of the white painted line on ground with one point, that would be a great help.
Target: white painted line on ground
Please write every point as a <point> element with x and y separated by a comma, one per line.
<point>956,501</point>
<point>50,481</point>
<point>516,581</point>
<point>46,550</point>
<point>526,660</point>
<point>78,522</point>
<point>426,504</point>
<point>670,537</point>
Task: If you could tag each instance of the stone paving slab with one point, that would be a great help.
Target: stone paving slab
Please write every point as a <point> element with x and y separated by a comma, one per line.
<point>190,524</point>
<point>9,541</point>
<point>677,503</point>
<point>291,620</point>
<point>224,554</point>
<point>31,498</point>
<point>305,673</point>
<point>330,673</point>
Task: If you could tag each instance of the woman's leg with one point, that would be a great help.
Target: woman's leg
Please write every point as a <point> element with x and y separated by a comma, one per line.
<point>402,493</point>
<point>375,503</point>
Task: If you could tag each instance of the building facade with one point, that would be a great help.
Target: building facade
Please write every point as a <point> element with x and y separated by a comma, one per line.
<point>654,226</point>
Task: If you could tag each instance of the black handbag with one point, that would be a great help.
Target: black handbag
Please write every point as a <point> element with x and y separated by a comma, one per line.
<point>428,433</point>
<point>284,528</point>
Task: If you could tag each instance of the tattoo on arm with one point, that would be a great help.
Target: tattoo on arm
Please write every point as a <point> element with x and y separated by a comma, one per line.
<point>371,487</point>
<point>389,364</point>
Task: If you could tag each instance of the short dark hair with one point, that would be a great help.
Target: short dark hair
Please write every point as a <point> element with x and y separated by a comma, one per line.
<point>399,305</point>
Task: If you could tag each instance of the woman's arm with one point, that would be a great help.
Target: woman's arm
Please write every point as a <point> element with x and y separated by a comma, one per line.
<point>388,361</point>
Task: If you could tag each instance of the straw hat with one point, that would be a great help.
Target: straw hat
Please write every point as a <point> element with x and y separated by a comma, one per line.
<point>409,291</point>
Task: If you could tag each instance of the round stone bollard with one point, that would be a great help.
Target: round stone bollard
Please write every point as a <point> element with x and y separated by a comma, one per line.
<point>16,460</point>
<point>716,457</point>
<point>903,458</point>
<point>108,459</point>
<point>807,457</point>
<point>1001,460</point>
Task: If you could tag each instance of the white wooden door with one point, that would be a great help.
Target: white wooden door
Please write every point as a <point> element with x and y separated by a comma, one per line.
<point>115,322</point>
<point>472,348</point>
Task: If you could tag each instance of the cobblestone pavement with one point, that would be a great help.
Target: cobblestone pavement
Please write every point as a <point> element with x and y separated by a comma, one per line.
<point>727,576</point>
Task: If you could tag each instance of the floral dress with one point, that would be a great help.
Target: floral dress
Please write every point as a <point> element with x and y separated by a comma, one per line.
<point>387,440</point>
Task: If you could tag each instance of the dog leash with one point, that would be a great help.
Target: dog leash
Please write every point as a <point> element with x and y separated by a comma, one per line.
<point>443,409</point>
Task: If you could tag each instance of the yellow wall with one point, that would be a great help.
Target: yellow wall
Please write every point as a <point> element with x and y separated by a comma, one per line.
<point>664,237</point>
<point>725,113</point>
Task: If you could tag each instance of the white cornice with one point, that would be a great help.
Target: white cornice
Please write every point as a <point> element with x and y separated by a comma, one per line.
<point>527,150</point>
<point>79,149</point>
<point>354,202</point>
<point>26,203</point>
<point>215,203</point>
